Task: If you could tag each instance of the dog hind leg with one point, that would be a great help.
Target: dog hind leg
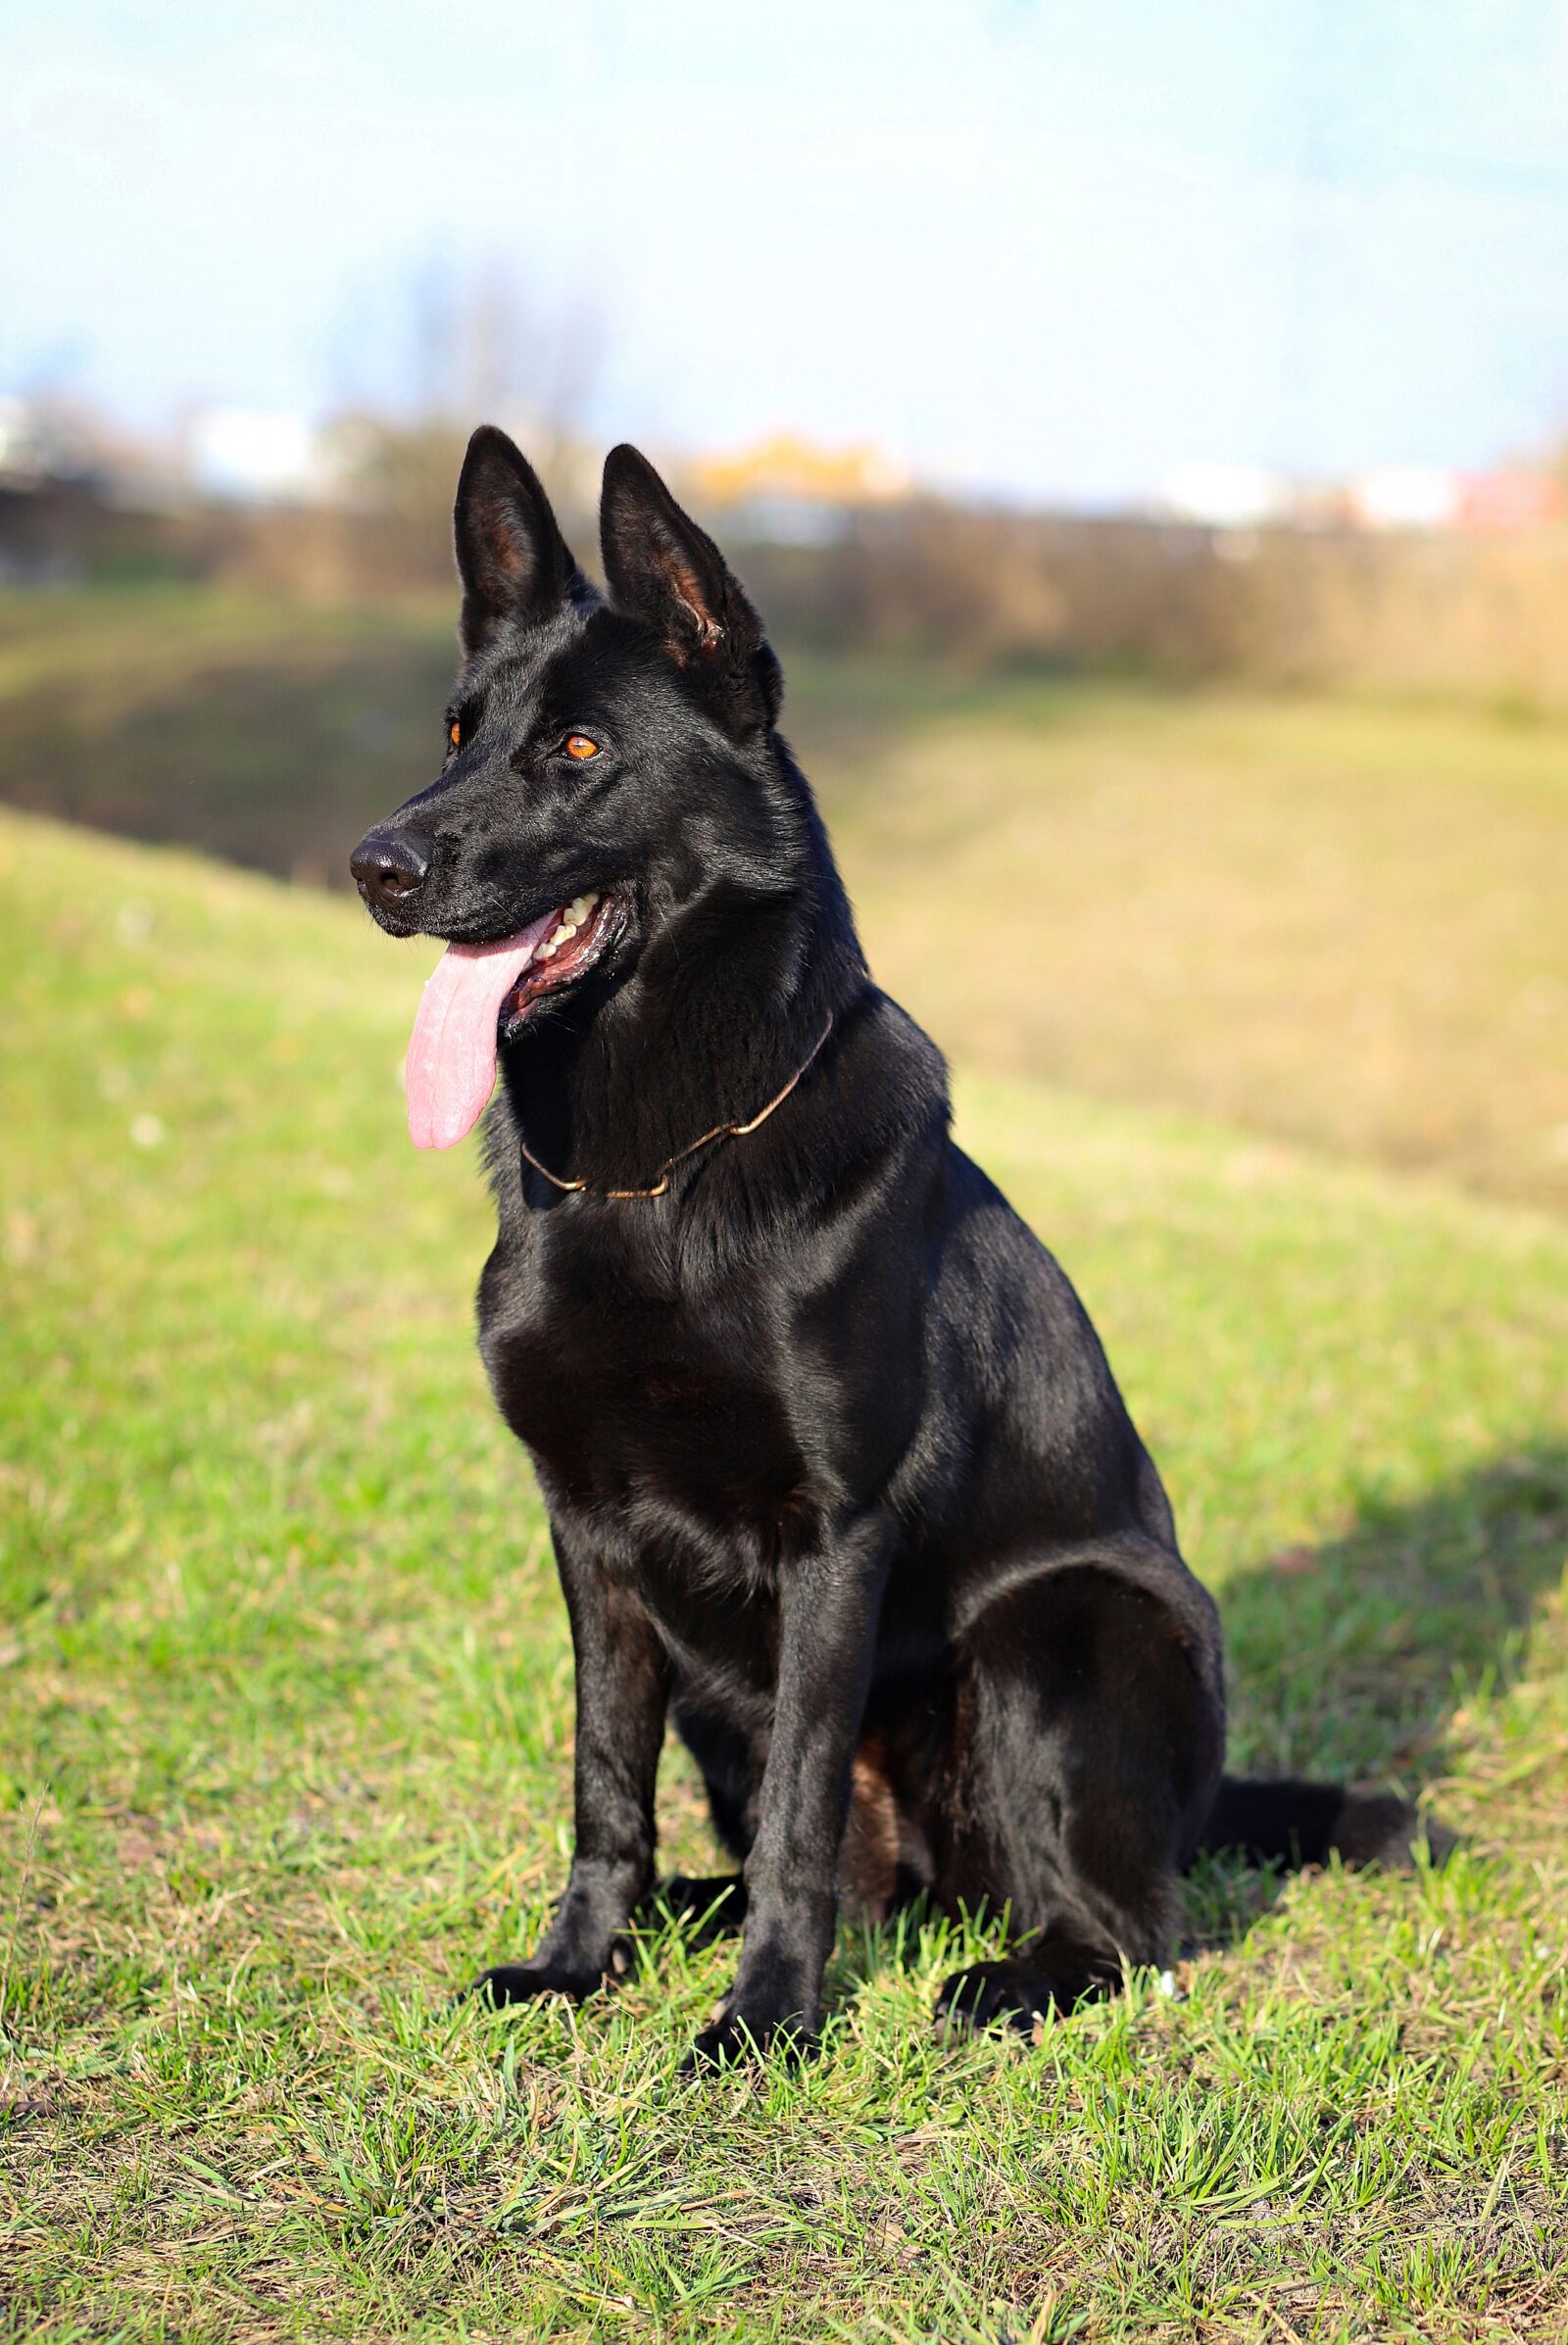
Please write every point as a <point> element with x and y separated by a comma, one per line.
<point>1086,1745</point>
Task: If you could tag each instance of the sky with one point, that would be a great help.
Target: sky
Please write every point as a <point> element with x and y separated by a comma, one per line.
<point>1045,248</point>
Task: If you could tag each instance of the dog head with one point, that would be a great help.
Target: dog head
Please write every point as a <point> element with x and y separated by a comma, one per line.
<point>612,786</point>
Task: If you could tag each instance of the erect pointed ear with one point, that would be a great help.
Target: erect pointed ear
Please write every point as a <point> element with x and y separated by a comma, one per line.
<point>512,558</point>
<point>664,570</point>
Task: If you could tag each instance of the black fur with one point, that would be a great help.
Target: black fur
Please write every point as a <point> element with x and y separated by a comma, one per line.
<point>838,1476</point>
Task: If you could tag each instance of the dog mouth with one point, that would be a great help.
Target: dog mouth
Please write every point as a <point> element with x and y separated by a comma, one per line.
<point>582,930</point>
<point>478,997</point>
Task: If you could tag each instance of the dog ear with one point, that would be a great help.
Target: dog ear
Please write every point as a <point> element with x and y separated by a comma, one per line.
<point>665,571</point>
<point>512,558</point>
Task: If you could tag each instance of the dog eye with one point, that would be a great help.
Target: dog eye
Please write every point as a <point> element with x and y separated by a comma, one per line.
<point>455,733</point>
<point>579,746</point>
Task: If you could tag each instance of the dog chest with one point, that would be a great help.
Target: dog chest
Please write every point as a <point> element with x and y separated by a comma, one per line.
<point>634,1408</point>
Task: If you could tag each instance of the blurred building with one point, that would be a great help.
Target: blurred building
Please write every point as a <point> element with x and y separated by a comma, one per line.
<point>1227,496</point>
<point>1511,500</point>
<point>788,466</point>
<point>1403,497</point>
<point>1385,497</point>
<point>255,455</point>
<point>796,491</point>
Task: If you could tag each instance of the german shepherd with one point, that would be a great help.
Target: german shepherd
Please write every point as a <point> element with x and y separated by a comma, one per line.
<point>838,1476</point>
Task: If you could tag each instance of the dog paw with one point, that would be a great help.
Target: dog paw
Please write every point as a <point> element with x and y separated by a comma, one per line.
<point>522,1983</point>
<point>1017,1994</point>
<point>990,1995</point>
<point>732,2038</point>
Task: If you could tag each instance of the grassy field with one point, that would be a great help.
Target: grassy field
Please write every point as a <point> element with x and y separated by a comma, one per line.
<point>285,1729</point>
<point>1339,922</point>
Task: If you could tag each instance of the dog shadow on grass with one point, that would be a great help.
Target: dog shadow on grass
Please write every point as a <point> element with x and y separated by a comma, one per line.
<point>1350,1661</point>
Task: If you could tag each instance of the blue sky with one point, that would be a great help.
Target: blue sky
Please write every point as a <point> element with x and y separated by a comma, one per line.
<point>1052,249</point>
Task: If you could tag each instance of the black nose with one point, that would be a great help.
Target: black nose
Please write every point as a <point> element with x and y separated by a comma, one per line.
<point>390,871</point>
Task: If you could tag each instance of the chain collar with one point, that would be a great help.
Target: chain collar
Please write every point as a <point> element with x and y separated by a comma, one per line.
<point>660,1187</point>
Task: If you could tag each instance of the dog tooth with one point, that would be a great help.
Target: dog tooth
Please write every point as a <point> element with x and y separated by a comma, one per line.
<point>549,948</point>
<point>588,901</point>
<point>577,910</point>
<point>562,933</point>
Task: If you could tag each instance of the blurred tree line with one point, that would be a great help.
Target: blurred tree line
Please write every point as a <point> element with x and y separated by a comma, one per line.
<point>976,586</point>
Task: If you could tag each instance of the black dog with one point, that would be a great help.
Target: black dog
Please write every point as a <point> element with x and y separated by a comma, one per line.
<point>837,1473</point>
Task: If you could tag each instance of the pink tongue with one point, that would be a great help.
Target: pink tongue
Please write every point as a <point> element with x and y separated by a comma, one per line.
<point>451,1068</point>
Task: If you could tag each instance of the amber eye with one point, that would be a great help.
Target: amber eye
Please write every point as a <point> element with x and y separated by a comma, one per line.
<point>455,734</point>
<point>579,746</point>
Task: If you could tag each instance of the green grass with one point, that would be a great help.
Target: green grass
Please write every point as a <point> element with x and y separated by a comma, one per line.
<point>1337,921</point>
<point>286,1718</point>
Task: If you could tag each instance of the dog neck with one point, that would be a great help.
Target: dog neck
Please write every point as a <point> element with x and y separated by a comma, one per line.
<point>727,1001</point>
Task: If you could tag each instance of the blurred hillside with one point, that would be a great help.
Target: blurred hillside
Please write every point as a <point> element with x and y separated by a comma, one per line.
<point>1325,917</point>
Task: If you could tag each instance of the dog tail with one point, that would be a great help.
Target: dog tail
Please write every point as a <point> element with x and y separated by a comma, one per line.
<point>1289,1820</point>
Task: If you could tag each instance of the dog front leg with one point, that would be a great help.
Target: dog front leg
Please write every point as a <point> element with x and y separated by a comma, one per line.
<point>622,1689</point>
<point>828,1607</point>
